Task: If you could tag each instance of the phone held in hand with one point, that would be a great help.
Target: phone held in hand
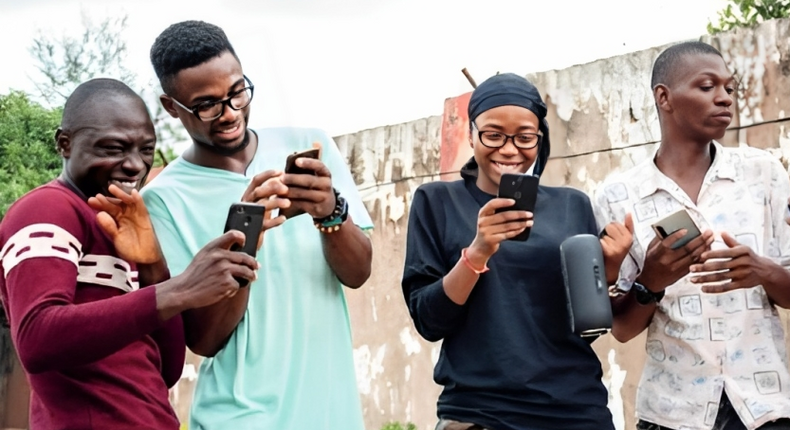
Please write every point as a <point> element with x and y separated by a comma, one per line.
<point>674,222</point>
<point>524,190</point>
<point>248,219</point>
<point>290,162</point>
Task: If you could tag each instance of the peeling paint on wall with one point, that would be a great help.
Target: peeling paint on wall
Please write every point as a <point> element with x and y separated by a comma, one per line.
<point>602,119</point>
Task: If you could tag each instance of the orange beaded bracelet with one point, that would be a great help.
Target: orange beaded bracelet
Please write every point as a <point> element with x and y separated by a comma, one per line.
<point>468,263</point>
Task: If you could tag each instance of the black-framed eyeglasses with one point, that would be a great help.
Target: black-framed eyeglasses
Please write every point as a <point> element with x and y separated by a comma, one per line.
<point>496,139</point>
<point>211,110</point>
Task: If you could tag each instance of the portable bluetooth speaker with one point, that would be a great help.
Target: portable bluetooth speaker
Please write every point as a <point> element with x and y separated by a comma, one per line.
<point>586,290</point>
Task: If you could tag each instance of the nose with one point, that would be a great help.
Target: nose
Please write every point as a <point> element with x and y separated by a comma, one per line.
<point>228,114</point>
<point>722,97</point>
<point>133,163</point>
<point>509,148</point>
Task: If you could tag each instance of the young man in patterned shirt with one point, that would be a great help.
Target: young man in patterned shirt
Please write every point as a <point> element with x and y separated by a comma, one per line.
<point>715,345</point>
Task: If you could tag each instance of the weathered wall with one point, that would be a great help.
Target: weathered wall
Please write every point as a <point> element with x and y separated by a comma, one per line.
<point>602,119</point>
<point>394,365</point>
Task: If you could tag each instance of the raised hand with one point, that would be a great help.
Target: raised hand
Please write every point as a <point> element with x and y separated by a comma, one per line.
<point>615,243</point>
<point>209,278</point>
<point>493,228</point>
<point>125,219</point>
<point>267,189</point>
<point>310,193</point>
<point>664,266</point>
<point>736,266</point>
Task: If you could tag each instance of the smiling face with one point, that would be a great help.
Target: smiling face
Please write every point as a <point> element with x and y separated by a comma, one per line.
<point>699,97</point>
<point>213,80</point>
<point>493,162</point>
<point>111,142</point>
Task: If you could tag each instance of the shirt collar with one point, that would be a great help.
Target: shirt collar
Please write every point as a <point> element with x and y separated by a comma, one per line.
<point>723,167</point>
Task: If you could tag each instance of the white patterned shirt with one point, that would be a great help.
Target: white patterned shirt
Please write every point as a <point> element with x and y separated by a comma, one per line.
<point>700,343</point>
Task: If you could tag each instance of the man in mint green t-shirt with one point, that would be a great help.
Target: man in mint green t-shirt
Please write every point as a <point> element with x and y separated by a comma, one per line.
<point>279,353</point>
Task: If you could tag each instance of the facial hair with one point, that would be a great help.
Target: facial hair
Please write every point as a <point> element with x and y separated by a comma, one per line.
<point>227,151</point>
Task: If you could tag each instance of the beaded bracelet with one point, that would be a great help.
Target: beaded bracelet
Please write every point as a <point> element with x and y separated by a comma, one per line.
<point>468,263</point>
<point>332,222</point>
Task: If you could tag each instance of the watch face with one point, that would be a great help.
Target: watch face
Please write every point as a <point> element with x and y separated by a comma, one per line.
<point>643,295</point>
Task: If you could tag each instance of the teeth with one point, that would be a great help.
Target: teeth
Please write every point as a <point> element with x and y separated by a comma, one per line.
<point>230,130</point>
<point>507,166</point>
<point>126,184</point>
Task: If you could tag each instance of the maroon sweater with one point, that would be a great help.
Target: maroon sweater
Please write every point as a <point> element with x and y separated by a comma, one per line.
<point>95,352</point>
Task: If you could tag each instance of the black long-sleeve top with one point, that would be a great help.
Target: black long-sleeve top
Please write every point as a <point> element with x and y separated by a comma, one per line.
<point>509,360</point>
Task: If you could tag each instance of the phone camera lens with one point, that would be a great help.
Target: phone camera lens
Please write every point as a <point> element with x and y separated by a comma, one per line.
<point>240,209</point>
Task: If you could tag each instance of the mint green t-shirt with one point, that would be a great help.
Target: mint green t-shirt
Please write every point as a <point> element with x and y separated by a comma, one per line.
<point>289,363</point>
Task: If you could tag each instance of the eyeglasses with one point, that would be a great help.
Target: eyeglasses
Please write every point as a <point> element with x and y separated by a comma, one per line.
<point>211,110</point>
<point>496,139</point>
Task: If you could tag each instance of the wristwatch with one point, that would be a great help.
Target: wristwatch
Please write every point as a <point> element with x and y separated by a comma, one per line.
<point>644,296</point>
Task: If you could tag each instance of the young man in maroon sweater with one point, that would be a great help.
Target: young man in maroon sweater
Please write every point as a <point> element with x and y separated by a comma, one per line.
<point>93,313</point>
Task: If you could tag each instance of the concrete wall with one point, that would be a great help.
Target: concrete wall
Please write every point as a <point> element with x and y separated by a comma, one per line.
<point>602,119</point>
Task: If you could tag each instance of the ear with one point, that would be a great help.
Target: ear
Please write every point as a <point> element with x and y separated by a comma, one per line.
<point>168,104</point>
<point>63,143</point>
<point>662,98</point>
<point>471,138</point>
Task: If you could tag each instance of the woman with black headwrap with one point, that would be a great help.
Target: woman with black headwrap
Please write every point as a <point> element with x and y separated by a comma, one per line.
<point>509,360</point>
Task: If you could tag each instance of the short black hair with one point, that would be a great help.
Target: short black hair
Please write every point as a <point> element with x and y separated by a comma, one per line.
<point>185,45</point>
<point>92,91</point>
<point>667,61</point>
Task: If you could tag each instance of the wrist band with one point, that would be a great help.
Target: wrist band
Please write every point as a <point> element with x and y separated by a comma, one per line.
<point>332,222</point>
<point>468,263</point>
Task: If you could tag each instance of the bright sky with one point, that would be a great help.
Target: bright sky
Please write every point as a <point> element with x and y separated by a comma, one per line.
<point>350,65</point>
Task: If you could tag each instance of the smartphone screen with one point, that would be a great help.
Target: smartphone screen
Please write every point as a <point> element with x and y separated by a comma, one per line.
<point>524,190</point>
<point>248,219</point>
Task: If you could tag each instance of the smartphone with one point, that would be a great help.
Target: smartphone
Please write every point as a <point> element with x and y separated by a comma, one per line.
<point>524,190</point>
<point>290,162</point>
<point>674,222</point>
<point>248,219</point>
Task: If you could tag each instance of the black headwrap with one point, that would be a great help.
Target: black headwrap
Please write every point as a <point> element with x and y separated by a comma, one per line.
<point>509,89</point>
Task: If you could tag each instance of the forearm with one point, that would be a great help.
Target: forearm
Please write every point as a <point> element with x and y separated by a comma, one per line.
<point>208,329</point>
<point>154,273</point>
<point>172,349</point>
<point>629,317</point>
<point>62,336</point>
<point>776,283</point>
<point>461,280</point>
<point>612,270</point>
<point>349,253</point>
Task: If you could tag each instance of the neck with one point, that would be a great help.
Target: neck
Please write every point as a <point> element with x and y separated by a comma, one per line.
<point>681,156</point>
<point>237,162</point>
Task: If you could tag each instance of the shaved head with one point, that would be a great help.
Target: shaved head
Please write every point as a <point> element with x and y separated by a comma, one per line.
<point>669,61</point>
<point>89,96</point>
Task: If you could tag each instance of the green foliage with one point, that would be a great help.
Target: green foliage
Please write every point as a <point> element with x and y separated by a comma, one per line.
<point>28,157</point>
<point>398,426</point>
<point>748,13</point>
<point>164,156</point>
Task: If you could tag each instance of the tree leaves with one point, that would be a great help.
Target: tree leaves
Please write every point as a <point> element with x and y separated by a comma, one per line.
<point>749,13</point>
<point>28,157</point>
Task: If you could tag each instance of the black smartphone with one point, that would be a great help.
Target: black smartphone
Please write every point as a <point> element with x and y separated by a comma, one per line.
<point>674,222</point>
<point>290,162</point>
<point>524,190</point>
<point>248,219</point>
